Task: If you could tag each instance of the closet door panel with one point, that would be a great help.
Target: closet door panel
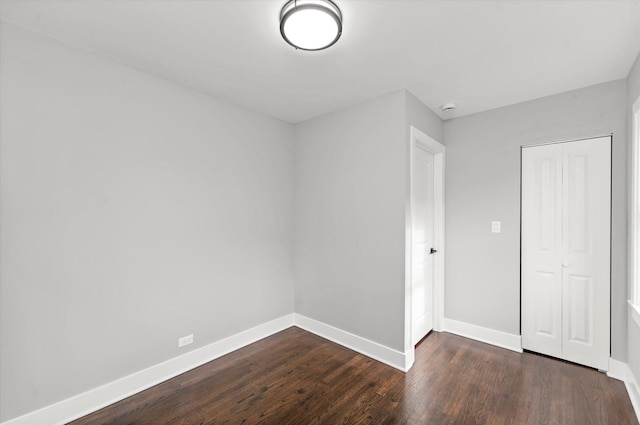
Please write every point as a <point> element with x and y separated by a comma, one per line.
<point>541,250</point>
<point>586,247</point>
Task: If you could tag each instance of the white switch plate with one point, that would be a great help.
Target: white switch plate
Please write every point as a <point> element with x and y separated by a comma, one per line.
<point>185,340</point>
<point>495,227</point>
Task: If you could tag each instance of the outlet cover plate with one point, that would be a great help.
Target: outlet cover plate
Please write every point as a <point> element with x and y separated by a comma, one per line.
<point>185,340</point>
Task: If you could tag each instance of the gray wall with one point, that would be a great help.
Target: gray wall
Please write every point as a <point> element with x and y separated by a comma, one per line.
<point>423,118</point>
<point>133,211</point>
<point>349,219</point>
<point>633,92</point>
<point>350,207</point>
<point>483,184</point>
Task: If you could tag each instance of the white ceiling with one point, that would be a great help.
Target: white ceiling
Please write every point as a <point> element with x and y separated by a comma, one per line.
<point>479,54</point>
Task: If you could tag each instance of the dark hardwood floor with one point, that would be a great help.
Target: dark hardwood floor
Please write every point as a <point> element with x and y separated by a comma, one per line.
<point>295,377</point>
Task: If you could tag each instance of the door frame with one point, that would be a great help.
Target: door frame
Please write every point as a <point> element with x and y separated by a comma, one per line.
<point>436,148</point>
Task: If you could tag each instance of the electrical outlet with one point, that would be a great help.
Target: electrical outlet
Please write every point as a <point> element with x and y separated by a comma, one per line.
<point>495,227</point>
<point>185,340</point>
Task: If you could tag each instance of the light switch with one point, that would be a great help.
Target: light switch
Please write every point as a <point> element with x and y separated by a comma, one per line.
<point>495,227</point>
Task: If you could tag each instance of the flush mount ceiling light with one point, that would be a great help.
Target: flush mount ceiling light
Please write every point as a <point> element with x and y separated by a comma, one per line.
<point>310,24</point>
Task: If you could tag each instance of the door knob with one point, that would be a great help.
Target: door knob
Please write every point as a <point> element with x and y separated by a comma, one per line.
<point>433,251</point>
<point>565,265</point>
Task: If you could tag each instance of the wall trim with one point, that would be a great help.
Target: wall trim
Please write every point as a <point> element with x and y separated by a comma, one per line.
<point>82,404</point>
<point>635,312</point>
<point>95,399</point>
<point>617,370</point>
<point>622,372</point>
<point>90,401</point>
<point>489,336</point>
<point>379,352</point>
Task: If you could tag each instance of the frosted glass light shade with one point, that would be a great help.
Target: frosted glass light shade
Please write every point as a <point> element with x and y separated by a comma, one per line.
<point>311,24</point>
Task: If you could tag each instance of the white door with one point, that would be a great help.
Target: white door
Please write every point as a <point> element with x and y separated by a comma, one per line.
<point>422,198</point>
<point>542,249</point>
<point>566,219</point>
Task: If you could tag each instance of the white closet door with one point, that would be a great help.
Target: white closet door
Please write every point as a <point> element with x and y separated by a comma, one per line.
<point>542,249</point>
<point>586,261</point>
<point>566,192</point>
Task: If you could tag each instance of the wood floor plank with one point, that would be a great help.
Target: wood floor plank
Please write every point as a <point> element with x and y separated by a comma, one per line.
<point>295,377</point>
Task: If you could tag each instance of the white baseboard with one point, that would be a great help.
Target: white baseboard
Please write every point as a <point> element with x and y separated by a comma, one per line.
<point>621,371</point>
<point>486,335</point>
<point>97,398</point>
<point>618,370</point>
<point>80,405</point>
<point>379,352</point>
